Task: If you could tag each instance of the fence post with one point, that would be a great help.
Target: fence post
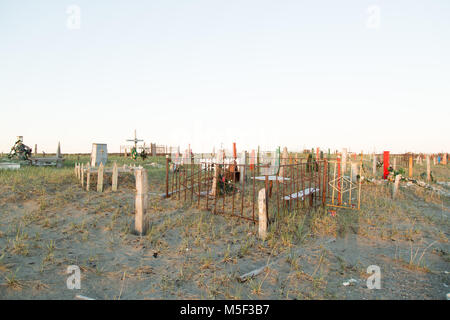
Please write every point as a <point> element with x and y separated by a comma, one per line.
<point>396,183</point>
<point>410,166</point>
<point>88,177</point>
<point>82,175</point>
<point>374,165</point>
<point>100,178</point>
<point>115,175</point>
<point>140,225</point>
<point>167,176</point>
<point>428,168</point>
<point>262,214</point>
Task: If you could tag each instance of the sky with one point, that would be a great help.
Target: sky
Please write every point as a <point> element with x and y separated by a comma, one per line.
<point>365,75</point>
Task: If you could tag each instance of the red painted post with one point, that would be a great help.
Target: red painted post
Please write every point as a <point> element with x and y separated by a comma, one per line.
<point>385,164</point>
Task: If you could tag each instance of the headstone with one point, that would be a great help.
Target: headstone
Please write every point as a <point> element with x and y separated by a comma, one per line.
<point>99,154</point>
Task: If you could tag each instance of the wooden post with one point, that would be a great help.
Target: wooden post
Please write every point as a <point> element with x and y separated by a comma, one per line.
<point>35,149</point>
<point>354,171</point>
<point>262,214</point>
<point>82,175</point>
<point>140,224</point>
<point>396,183</point>
<point>76,170</point>
<point>395,163</point>
<point>385,164</point>
<point>344,161</point>
<point>410,166</point>
<point>428,168</point>
<point>115,175</point>
<point>374,165</point>
<point>100,178</point>
<point>167,177</point>
<point>88,177</point>
<point>444,160</point>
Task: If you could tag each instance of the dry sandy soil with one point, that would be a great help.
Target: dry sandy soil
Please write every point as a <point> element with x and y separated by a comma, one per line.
<point>47,222</point>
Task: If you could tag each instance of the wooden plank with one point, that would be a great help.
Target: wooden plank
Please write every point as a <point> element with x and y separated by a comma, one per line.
<point>301,194</point>
<point>271,178</point>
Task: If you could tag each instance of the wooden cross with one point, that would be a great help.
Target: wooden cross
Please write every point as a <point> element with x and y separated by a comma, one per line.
<point>135,140</point>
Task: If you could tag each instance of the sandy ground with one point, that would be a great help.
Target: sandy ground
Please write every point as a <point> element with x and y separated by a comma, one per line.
<point>192,254</point>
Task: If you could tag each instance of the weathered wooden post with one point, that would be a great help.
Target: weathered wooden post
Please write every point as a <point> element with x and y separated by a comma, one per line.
<point>82,175</point>
<point>88,177</point>
<point>394,166</point>
<point>284,161</point>
<point>262,214</point>
<point>396,183</point>
<point>344,160</point>
<point>140,224</point>
<point>428,168</point>
<point>115,176</point>
<point>374,165</point>
<point>76,170</point>
<point>167,176</point>
<point>100,178</point>
<point>35,149</point>
<point>354,172</point>
<point>410,166</point>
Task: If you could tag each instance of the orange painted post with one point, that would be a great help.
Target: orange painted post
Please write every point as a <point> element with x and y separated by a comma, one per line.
<point>410,166</point>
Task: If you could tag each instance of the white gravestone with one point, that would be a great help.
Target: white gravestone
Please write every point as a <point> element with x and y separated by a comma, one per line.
<point>99,154</point>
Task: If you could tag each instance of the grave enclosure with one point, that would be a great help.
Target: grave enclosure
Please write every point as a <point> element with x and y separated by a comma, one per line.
<point>256,186</point>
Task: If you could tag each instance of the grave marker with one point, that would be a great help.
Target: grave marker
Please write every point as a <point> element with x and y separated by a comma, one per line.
<point>140,224</point>
<point>100,178</point>
<point>262,214</point>
<point>115,175</point>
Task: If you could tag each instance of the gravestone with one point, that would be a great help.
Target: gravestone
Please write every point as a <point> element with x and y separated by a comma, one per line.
<point>99,154</point>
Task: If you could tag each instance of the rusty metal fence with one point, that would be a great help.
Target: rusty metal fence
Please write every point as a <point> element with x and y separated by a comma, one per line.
<point>231,188</point>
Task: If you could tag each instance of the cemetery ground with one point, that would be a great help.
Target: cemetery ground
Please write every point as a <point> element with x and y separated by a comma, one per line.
<point>48,222</point>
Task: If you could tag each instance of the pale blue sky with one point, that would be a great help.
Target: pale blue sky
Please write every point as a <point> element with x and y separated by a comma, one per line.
<point>290,73</point>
